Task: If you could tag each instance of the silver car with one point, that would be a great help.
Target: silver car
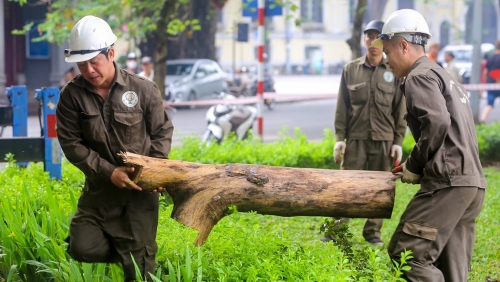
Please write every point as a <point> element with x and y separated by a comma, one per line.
<point>193,79</point>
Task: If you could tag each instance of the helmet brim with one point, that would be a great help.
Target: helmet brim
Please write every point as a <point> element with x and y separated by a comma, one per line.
<point>76,58</point>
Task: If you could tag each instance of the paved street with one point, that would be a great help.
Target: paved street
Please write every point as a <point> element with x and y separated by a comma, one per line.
<point>311,116</point>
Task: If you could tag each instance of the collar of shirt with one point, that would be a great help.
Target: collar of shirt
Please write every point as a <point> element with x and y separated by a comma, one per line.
<point>364,61</point>
<point>419,61</point>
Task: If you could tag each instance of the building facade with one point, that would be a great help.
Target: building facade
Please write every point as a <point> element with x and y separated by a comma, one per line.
<point>318,44</point>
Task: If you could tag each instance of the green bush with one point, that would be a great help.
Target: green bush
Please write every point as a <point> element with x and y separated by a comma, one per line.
<point>289,151</point>
<point>488,138</point>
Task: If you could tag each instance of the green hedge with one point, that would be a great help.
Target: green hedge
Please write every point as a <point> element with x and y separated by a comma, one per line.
<point>488,138</point>
<point>290,151</point>
<point>296,151</point>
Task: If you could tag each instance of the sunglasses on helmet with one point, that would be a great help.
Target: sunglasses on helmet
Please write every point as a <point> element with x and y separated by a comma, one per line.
<point>69,52</point>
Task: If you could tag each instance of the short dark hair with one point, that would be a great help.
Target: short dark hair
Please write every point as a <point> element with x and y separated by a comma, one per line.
<point>106,52</point>
<point>450,54</point>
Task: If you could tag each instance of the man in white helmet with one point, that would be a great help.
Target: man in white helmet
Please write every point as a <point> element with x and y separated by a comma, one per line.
<point>131,62</point>
<point>438,224</point>
<point>369,124</point>
<point>103,111</point>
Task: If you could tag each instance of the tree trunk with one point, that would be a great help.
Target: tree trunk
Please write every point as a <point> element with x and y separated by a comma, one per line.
<point>197,44</point>
<point>355,40</point>
<point>202,193</point>
<point>202,43</point>
<point>161,50</point>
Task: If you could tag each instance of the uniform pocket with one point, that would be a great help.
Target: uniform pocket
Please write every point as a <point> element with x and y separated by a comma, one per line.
<point>92,127</point>
<point>358,93</point>
<point>419,239</point>
<point>129,126</point>
<point>421,231</point>
<point>384,94</point>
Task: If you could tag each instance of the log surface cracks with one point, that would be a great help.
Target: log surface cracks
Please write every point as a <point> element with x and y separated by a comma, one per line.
<point>202,193</point>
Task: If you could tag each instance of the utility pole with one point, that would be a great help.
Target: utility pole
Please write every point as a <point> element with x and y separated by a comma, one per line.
<point>234,49</point>
<point>477,37</point>
<point>261,14</point>
<point>288,30</point>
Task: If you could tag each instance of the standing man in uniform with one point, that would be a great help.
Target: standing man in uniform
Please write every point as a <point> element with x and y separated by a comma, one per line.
<point>369,124</point>
<point>438,223</point>
<point>131,63</point>
<point>102,112</point>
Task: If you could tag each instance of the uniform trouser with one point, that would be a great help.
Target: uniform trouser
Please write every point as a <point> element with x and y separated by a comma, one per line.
<point>114,234</point>
<point>438,227</point>
<point>368,155</point>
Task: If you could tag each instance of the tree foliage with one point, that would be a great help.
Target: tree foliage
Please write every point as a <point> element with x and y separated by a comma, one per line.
<point>132,19</point>
<point>129,19</point>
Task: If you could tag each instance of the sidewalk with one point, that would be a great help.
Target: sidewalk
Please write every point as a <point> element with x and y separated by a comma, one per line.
<point>307,84</point>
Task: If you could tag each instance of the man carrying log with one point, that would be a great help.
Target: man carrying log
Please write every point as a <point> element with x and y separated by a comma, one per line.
<point>369,124</point>
<point>102,112</point>
<point>438,224</point>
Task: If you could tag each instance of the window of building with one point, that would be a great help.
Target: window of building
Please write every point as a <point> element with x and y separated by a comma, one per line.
<point>311,10</point>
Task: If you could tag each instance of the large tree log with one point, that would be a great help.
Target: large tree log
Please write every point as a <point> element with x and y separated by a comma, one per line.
<point>202,193</point>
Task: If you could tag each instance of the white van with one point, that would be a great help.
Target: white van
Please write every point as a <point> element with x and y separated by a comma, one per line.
<point>463,57</point>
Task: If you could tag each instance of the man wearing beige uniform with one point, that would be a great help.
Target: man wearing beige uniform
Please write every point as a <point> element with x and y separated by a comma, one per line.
<point>369,124</point>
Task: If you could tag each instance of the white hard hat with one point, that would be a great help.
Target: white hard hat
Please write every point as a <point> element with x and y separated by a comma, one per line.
<point>131,55</point>
<point>406,23</point>
<point>89,37</point>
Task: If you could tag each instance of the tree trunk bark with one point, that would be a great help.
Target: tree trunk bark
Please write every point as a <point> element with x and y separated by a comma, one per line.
<point>202,43</point>
<point>355,40</point>
<point>197,44</point>
<point>202,193</point>
<point>161,50</point>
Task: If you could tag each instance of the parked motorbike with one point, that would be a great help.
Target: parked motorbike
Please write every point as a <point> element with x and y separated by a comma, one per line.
<point>223,119</point>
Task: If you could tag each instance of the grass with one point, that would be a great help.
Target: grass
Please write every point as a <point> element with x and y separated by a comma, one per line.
<point>36,213</point>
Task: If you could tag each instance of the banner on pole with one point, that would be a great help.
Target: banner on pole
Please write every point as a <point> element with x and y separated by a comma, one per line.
<point>273,8</point>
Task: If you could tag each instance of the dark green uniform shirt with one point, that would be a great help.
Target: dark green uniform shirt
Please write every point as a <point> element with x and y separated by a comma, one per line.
<point>370,104</point>
<point>440,118</point>
<point>92,131</point>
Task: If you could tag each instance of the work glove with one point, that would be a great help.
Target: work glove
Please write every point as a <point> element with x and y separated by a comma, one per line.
<point>397,152</point>
<point>408,176</point>
<point>337,150</point>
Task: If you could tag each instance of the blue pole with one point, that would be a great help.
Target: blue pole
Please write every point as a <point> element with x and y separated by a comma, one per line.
<point>53,153</point>
<point>18,100</point>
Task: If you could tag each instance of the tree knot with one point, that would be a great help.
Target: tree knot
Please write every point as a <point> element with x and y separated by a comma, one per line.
<point>251,174</point>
